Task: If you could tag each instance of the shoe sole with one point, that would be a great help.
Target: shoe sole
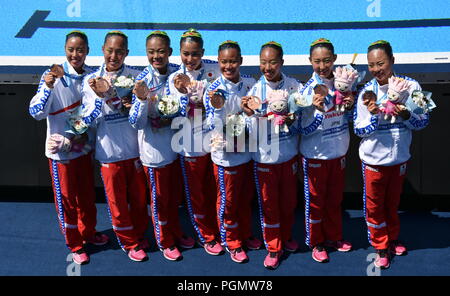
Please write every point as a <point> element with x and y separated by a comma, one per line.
<point>214,254</point>
<point>237,261</point>
<point>290,250</point>
<point>186,247</point>
<point>321,261</point>
<point>80,263</point>
<point>271,267</point>
<point>137,260</point>
<point>382,267</point>
<point>172,259</point>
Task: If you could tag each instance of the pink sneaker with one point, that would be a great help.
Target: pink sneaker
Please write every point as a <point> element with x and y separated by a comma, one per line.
<point>99,239</point>
<point>137,254</point>
<point>213,248</point>
<point>252,243</point>
<point>398,248</point>
<point>382,259</point>
<point>186,242</point>
<point>238,255</point>
<point>272,260</point>
<point>341,246</point>
<point>80,257</point>
<point>290,245</point>
<point>172,254</point>
<point>320,254</point>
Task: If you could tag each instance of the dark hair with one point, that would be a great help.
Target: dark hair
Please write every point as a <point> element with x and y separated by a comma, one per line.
<point>191,35</point>
<point>383,45</point>
<point>274,45</point>
<point>229,44</point>
<point>117,33</point>
<point>159,34</point>
<point>321,42</point>
<point>78,34</point>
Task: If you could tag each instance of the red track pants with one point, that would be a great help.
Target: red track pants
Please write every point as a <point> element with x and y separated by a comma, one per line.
<point>324,187</point>
<point>277,192</point>
<point>74,194</point>
<point>200,191</point>
<point>125,189</point>
<point>165,196</point>
<point>234,195</point>
<point>382,189</point>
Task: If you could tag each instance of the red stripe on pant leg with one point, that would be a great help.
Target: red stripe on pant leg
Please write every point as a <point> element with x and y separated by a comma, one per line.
<point>87,214</point>
<point>376,182</point>
<point>392,202</point>
<point>332,220</point>
<point>269,178</point>
<point>175,192</point>
<point>317,179</point>
<point>288,202</point>
<point>115,181</point>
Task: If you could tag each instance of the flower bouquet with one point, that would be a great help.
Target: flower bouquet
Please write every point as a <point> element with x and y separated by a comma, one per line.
<point>76,123</point>
<point>420,102</point>
<point>168,106</point>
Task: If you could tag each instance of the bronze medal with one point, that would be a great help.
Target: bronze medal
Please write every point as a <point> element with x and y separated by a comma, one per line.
<point>102,85</point>
<point>217,101</point>
<point>58,70</point>
<point>254,103</point>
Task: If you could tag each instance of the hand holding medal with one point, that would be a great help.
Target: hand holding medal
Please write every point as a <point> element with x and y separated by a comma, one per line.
<point>56,71</point>
<point>100,86</point>
<point>320,92</point>
<point>141,90</point>
<point>181,82</point>
<point>216,98</point>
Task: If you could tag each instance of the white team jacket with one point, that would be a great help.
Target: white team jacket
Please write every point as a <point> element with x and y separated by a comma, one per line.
<point>288,141</point>
<point>154,143</point>
<point>325,135</point>
<point>56,104</point>
<point>384,143</point>
<point>116,139</point>
<point>210,71</point>
<point>233,95</point>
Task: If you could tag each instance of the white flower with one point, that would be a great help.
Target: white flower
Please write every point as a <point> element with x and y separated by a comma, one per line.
<point>299,100</point>
<point>124,82</point>
<point>235,125</point>
<point>168,105</point>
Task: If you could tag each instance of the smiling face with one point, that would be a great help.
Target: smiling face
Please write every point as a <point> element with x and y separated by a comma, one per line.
<point>76,51</point>
<point>380,65</point>
<point>158,53</point>
<point>342,86</point>
<point>229,62</point>
<point>278,106</point>
<point>270,64</point>
<point>114,52</point>
<point>322,61</point>
<point>191,55</point>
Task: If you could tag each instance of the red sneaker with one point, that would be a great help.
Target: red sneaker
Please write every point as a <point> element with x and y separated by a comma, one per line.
<point>213,248</point>
<point>238,255</point>
<point>80,257</point>
<point>137,254</point>
<point>382,260</point>
<point>397,248</point>
<point>341,246</point>
<point>172,254</point>
<point>272,260</point>
<point>320,254</point>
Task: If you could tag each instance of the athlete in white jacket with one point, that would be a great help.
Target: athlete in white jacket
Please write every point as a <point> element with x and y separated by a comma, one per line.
<point>384,152</point>
<point>70,157</point>
<point>116,146</point>
<point>275,167</point>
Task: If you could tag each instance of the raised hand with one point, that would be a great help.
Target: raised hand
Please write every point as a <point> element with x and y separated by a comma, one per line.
<point>181,82</point>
